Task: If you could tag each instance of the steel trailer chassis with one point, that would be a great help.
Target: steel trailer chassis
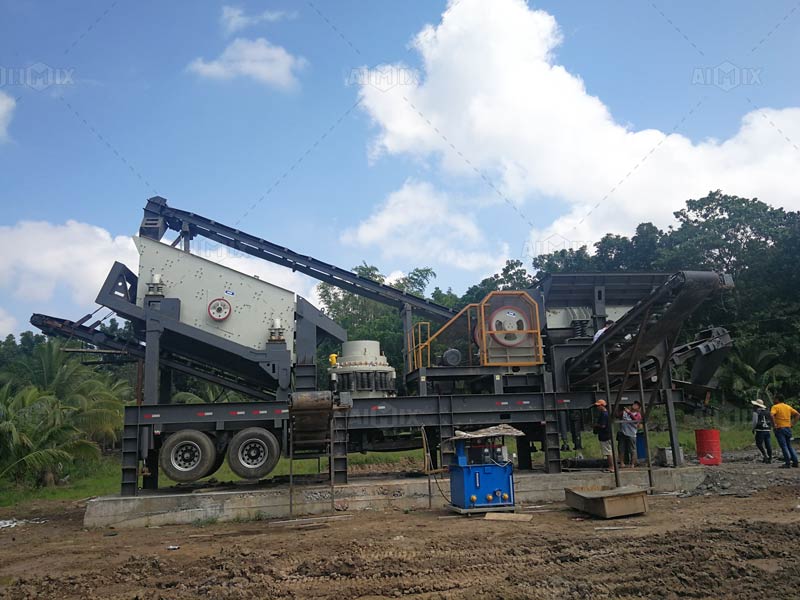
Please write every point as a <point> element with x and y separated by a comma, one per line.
<point>442,415</point>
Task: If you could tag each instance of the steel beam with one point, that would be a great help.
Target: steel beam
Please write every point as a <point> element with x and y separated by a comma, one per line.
<point>159,216</point>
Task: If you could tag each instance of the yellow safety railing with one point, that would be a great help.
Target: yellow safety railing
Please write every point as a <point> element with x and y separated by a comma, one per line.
<point>476,314</point>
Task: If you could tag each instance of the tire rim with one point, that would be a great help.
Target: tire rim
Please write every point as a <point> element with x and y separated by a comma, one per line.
<point>186,456</point>
<point>253,453</point>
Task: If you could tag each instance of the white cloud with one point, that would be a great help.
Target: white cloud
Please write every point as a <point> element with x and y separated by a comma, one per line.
<point>233,18</point>
<point>8,324</point>
<point>7,106</point>
<point>36,257</point>
<point>257,59</point>
<point>39,259</point>
<point>395,276</point>
<point>417,223</point>
<point>491,85</point>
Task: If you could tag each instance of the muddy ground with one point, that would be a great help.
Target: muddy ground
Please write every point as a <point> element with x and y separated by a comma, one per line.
<point>740,541</point>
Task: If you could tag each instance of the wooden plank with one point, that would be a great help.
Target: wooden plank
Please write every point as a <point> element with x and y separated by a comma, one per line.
<point>507,516</point>
<point>309,520</point>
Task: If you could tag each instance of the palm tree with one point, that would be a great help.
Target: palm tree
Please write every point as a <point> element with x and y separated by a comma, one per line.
<point>37,435</point>
<point>59,411</point>
<point>97,400</point>
<point>10,404</point>
<point>98,405</point>
<point>208,393</point>
<point>751,372</point>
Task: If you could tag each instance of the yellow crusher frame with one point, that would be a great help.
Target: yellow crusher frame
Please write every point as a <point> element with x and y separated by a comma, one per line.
<point>502,330</point>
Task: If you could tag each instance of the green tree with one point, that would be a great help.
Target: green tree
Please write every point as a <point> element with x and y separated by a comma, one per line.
<point>9,351</point>
<point>755,243</point>
<point>722,233</point>
<point>366,319</point>
<point>207,393</point>
<point>753,372</point>
<point>449,298</point>
<point>513,276</point>
<point>38,435</point>
<point>566,260</point>
<point>645,244</point>
<point>94,400</point>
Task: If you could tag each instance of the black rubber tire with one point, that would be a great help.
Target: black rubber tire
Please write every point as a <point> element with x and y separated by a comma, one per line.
<point>217,463</point>
<point>253,453</point>
<point>187,455</point>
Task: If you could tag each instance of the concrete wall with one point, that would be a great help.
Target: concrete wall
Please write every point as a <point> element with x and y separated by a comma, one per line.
<point>368,494</point>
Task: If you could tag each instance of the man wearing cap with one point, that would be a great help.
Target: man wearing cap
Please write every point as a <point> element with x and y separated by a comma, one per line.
<point>603,430</point>
<point>785,417</point>
<point>762,425</point>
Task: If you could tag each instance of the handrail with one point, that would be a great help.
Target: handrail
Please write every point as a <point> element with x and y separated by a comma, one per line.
<point>485,333</point>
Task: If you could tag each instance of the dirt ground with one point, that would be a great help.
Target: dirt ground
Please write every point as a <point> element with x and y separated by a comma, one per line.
<point>719,543</point>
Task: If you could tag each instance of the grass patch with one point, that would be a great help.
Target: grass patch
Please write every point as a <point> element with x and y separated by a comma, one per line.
<point>311,466</point>
<point>731,438</point>
<point>103,477</point>
<point>98,478</point>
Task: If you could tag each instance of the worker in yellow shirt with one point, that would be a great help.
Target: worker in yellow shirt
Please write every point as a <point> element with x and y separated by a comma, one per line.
<point>785,417</point>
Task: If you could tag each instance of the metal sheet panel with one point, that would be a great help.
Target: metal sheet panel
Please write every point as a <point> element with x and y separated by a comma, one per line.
<point>197,282</point>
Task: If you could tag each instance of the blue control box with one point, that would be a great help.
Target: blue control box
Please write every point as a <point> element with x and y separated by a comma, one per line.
<point>481,479</point>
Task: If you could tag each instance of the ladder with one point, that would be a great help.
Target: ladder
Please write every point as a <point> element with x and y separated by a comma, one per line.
<point>550,439</point>
<point>317,427</point>
<point>130,458</point>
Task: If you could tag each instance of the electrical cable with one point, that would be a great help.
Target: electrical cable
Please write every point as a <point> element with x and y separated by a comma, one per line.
<point>436,481</point>
<point>428,462</point>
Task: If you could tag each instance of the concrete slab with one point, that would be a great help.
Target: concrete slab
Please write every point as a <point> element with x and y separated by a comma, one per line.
<point>368,493</point>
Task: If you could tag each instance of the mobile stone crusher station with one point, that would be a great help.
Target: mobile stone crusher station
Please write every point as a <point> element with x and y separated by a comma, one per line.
<point>524,358</point>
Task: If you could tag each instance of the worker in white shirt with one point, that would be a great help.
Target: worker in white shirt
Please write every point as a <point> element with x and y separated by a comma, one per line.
<point>600,332</point>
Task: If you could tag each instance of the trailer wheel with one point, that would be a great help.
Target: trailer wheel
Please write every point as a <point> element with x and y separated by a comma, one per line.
<point>253,453</point>
<point>217,463</point>
<point>187,455</point>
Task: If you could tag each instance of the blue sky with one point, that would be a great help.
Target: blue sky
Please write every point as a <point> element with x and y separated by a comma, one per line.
<point>289,154</point>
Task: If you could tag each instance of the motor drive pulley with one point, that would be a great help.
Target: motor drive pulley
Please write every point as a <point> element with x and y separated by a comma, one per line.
<point>219,309</point>
<point>505,322</point>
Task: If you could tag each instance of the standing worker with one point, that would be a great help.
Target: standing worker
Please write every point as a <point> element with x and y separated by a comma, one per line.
<point>785,417</point>
<point>631,418</point>
<point>762,426</point>
<point>603,430</point>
